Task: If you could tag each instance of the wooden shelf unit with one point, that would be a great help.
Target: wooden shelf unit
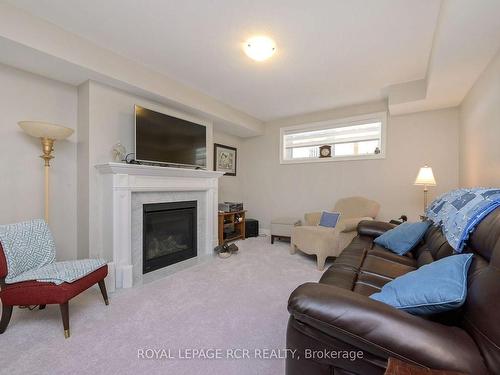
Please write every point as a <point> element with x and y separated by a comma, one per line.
<point>227,219</point>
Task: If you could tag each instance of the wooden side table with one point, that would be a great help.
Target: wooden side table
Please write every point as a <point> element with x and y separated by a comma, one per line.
<point>397,367</point>
<point>231,220</point>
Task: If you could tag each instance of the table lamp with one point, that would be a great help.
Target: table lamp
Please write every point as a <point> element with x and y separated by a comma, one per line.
<point>426,178</point>
<point>48,134</point>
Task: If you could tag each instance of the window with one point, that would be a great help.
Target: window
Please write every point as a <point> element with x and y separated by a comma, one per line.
<point>361,137</point>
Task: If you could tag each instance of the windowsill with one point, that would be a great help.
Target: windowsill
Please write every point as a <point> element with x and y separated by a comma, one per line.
<point>333,159</point>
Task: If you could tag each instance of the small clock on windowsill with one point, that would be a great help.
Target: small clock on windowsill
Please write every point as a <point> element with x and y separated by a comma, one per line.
<point>325,151</point>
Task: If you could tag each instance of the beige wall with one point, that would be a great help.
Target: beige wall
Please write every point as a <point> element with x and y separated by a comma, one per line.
<point>267,188</point>
<point>480,130</point>
<point>229,186</point>
<point>82,168</point>
<point>106,116</point>
<point>271,189</point>
<point>25,96</point>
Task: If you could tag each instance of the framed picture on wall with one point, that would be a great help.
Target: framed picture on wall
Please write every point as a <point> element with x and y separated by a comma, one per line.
<point>225,159</point>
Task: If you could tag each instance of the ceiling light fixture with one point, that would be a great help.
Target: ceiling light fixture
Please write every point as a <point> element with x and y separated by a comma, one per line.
<point>259,48</point>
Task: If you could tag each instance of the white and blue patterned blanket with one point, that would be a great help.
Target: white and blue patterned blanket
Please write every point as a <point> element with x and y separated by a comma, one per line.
<point>459,212</point>
<point>30,253</point>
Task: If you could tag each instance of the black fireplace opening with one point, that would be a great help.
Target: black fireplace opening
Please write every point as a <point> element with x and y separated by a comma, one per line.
<point>169,234</point>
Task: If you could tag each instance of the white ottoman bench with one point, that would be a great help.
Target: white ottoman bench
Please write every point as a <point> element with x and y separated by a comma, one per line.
<point>281,227</point>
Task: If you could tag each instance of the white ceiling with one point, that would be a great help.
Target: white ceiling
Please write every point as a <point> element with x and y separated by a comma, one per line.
<point>330,53</point>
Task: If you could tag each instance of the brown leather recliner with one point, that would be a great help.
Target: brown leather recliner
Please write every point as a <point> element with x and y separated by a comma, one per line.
<point>337,329</point>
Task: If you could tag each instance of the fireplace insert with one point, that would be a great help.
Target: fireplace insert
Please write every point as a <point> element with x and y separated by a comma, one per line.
<point>169,233</point>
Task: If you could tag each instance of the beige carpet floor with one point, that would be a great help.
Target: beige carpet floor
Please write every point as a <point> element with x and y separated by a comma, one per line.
<point>221,304</point>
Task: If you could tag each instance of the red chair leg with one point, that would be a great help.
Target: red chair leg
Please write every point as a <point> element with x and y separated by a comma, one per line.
<point>104,293</point>
<point>6,314</point>
<point>65,318</point>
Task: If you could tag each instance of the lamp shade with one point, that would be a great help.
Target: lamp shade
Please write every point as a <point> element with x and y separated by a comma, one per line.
<point>45,130</point>
<point>425,177</point>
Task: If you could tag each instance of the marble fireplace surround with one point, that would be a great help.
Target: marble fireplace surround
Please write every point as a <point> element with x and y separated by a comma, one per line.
<point>126,187</point>
<point>141,198</point>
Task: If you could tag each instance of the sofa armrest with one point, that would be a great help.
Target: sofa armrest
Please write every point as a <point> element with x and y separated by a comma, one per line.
<point>384,331</point>
<point>373,228</point>
<point>312,218</point>
<point>351,224</point>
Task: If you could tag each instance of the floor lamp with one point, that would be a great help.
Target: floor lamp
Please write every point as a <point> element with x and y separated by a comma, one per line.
<point>426,178</point>
<point>48,134</point>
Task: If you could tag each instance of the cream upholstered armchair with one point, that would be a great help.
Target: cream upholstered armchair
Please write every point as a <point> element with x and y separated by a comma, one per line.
<point>312,238</point>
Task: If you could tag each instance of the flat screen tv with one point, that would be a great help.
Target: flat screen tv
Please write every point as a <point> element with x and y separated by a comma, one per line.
<point>161,138</point>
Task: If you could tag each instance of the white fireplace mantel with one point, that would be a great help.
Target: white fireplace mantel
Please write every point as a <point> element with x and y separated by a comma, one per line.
<point>120,181</point>
<point>149,170</point>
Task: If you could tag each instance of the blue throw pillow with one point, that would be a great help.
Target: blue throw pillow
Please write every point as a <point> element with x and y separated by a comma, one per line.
<point>436,287</point>
<point>404,237</point>
<point>329,219</point>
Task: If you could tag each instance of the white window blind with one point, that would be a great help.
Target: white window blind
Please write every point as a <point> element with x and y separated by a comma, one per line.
<point>362,138</point>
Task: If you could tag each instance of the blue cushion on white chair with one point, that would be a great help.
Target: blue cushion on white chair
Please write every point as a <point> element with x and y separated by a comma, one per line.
<point>329,219</point>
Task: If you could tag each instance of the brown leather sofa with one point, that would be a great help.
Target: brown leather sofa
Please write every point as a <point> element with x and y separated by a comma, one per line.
<point>336,329</point>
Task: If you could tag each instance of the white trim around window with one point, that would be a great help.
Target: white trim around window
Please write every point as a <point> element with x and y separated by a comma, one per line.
<point>377,120</point>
